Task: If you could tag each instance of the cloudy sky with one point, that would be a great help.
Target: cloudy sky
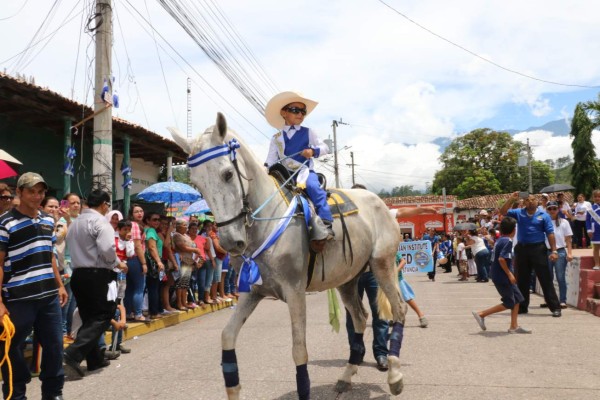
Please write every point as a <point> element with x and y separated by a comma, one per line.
<point>397,84</point>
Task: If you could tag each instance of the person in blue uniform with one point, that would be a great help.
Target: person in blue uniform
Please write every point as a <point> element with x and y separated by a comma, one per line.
<point>295,146</point>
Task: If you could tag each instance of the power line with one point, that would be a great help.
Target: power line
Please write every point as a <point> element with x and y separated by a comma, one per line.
<point>481,57</point>
<point>17,13</point>
<point>193,69</point>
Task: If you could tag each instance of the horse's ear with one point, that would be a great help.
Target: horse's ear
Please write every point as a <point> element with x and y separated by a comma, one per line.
<point>221,125</point>
<point>183,142</point>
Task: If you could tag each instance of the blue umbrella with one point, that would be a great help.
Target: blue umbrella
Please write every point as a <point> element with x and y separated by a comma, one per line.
<point>169,192</point>
<point>199,207</point>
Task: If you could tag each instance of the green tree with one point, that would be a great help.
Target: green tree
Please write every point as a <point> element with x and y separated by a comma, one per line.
<point>562,161</point>
<point>480,149</point>
<point>585,171</point>
<point>482,182</point>
<point>384,193</point>
<point>541,175</point>
<point>404,190</point>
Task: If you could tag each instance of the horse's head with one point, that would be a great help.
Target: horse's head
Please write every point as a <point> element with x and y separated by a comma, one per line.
<point>217,169</point>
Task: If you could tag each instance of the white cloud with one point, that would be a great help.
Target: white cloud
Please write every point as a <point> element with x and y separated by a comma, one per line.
<point>398,85</point>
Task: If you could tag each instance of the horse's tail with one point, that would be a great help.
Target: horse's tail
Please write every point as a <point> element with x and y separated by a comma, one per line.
<point>384,307</point>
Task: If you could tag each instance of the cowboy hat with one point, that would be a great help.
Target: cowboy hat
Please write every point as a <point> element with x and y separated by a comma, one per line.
<point>274,106</point>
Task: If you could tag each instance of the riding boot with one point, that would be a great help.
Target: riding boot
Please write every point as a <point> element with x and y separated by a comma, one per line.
<point>318,229</point>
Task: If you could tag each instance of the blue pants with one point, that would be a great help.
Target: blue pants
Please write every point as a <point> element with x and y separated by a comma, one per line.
<point>318,197</point>
<point>482,259</point>
<point>68,310</point>
<point>134,294</point>
<point>367,283</point>
<point>44,317</point>
<point>560,267</point>
<point>230,281</point>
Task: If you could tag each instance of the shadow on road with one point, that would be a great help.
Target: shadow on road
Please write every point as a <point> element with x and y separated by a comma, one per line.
<point>360,391</point>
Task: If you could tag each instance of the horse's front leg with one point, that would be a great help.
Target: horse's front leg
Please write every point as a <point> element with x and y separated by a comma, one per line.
<point>296,301</point>
<point>246,305</point>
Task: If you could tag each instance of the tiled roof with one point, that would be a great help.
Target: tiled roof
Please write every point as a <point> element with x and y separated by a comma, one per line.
<point>427,199</point>
<point>480,202</point>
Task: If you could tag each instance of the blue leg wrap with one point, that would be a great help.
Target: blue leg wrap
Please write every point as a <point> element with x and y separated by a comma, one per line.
<point>230,369</point>
<point>396,339</point>
<point>357,349</point>
<point>302,382</point>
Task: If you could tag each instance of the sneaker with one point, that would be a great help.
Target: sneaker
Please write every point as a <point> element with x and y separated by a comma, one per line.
<point>111,355</point>
<point>596,268</point>
<point>563,305</point>
<point>479,320</point>
<point>423,321</point>
<point>519,329</point>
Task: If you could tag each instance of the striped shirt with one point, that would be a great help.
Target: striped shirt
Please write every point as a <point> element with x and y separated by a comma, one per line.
<point>27,246</point>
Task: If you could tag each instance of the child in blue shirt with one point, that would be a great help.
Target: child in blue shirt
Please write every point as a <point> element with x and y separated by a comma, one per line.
<point>593,227</point>
<point>502,274</point>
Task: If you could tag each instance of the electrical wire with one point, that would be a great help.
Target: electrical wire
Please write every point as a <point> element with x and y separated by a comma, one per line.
<point>162,68</point>
<point>193,69</point>
<point>495,64</point>
<point>17,13</point>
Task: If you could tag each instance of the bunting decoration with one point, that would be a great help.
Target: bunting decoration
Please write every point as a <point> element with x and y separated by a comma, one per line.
<point>69,168</point>
<point>104,95</point>
<point>126,172</point>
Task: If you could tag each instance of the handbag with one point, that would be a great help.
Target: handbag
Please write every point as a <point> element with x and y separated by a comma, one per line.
<point>152,265</point>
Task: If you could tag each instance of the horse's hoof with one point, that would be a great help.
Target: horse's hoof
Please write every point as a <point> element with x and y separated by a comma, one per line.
<point>343,386</point>
<point>397,387</point>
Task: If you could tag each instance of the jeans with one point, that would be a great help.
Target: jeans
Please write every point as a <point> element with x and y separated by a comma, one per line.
<point>230,281</point>
<point>116,334</point>
<point>90,286</point>
<point>68,310</point>
<point>209,274</point>
<point>153,286</point>
<point>482,259</point>
<point>201,281</point>
<point>134,294</point>
<point>44,317</point>
<point>560,267</point>
<point>217,270</point>
<point>367,283</point>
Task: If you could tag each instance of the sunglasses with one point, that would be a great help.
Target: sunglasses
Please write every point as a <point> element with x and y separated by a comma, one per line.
<point>552,208</point>
<point>296,110</point>
<point>7,197</point>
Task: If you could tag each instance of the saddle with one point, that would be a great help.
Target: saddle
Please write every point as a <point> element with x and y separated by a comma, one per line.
<point>340,204</point>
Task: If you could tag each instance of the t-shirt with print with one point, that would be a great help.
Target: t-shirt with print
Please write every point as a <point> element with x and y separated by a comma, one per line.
<point>503,248</point>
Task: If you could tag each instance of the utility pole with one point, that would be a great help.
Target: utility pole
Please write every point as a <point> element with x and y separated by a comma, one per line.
<point>335,160</point>
<point>103,149</point>
<point>529,166</point>
<point>335,155</point>
<point>352,165</point>
<point>189,108</point>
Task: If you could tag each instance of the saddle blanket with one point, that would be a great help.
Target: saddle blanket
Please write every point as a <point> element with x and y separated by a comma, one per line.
<point>344,206</point>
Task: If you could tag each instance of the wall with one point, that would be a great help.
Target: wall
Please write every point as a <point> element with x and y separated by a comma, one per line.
<point>42,151</point>
<point>144,174</point>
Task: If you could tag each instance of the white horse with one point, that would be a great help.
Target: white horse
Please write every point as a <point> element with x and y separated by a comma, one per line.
<point>232,189</point>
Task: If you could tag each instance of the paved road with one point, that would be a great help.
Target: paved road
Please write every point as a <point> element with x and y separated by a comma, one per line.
<point>452,359</point>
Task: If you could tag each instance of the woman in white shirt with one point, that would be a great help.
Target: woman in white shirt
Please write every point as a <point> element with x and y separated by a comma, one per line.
<point>580,214</point>
<point>562,235</point>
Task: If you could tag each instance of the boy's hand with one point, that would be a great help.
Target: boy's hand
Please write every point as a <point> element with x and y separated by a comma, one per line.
<point>512,279</point>
<point>123,267</point>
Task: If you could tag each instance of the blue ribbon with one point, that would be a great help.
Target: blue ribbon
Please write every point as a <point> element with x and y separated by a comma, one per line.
<point>104,91</point>
<point>250,273</point>
<point>69,168</point>
<point>233,144</point>
<point>115,100</point>
<point>126,172</point>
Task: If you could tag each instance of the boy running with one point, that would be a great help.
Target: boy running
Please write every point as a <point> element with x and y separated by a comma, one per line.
<point>504,279</point>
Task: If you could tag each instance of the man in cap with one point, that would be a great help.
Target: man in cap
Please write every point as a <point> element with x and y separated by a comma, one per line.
<point>32,289</point>
<point>295,146</point>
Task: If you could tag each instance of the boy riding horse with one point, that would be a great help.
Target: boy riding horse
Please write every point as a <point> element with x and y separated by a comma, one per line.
<point>295,146</point>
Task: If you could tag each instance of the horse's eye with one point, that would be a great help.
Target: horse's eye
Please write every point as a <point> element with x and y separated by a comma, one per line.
<point>227,176</point>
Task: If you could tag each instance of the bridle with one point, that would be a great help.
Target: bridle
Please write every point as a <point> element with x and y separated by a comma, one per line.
<point>228,148</point>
